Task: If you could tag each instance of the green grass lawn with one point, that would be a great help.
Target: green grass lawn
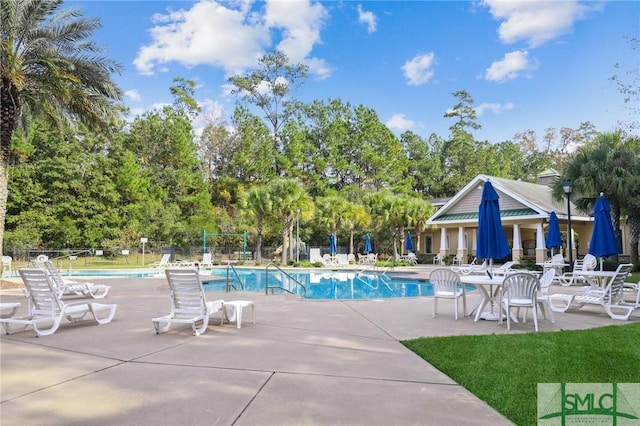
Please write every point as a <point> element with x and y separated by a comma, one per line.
<point>504,370</point>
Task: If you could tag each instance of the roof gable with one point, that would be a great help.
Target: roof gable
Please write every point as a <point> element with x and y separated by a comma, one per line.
<point>517,200</point>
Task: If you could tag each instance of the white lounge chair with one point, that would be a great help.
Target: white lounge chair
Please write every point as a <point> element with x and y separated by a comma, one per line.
<point>74,288</point>
<point>446,285</point>
<point>609,297</point>
<point>505,269</point>
<point>588,263</point>
<point>47,310</point>
<point>207,261</point>
<point>367,259</point>
<point>165,262</point>
<point>634,290</point>
<point>188,303</point>
<point>315,256</point>
<point>474,268</point>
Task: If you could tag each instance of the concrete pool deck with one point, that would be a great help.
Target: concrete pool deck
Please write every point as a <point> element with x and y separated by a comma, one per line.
<point>304,362</point>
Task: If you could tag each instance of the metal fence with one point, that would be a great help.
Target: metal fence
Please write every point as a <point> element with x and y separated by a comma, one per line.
<point>92,257</point>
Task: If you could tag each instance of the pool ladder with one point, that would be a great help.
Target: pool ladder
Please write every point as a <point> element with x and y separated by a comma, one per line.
<point>268,287</point>
<point>230,286</point>
<point>381,276</point>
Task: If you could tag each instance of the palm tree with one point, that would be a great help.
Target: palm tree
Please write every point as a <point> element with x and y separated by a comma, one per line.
<point>259,204</point>
<point>332,212</point>
<point>607,165</point>
<point>288,195</point>
<point>419,211</point>
<point>355,216</point>
<point>49,70</point>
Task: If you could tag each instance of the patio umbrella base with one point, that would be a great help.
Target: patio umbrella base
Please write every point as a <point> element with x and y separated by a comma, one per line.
<point>491,316</point>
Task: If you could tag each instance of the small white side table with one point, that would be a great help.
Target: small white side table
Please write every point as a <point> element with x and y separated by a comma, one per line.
<point>236,314</point>
<point>11,307</point>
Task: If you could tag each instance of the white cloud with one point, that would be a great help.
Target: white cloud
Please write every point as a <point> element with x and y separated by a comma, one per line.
<point>510,67</point>
<point>319,67</point>
<point>300,22</point>
<point>399,122</point>
<point>367,18</point>
<point>133,95</point>
<point>536,22</point>
<point>494,107</point>
<point>233,38</point>
<point>418,70</point>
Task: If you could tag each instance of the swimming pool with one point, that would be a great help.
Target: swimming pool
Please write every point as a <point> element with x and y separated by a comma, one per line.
<point>327,284</point>
<point>132,273</point>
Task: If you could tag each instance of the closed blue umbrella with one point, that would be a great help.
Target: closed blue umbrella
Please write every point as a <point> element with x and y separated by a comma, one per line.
<point>408,244</point>
<point>491,243</point>
<point>603,240</point>
<point>367,244</point>
<point>553,237</point>
<point>332,244</point>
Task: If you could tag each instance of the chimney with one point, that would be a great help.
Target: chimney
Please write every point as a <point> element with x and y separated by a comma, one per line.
<point>548,177</point>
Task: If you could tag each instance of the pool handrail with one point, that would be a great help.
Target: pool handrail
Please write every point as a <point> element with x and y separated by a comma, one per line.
<point>273,287</point>
<point>229,285</point>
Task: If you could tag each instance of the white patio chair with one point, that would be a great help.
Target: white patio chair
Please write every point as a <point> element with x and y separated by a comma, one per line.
<point>438,259</point>
<point>520,290</point>
<point>543,296</point>
<point>7,266</point>
<point>47,310</point>
<point>188,303</point>
<point>588,263</point>
<point>446,285</point>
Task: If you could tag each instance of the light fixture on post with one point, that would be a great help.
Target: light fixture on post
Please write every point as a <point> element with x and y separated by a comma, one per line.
<point>297,234</point>
<point>567,186</point>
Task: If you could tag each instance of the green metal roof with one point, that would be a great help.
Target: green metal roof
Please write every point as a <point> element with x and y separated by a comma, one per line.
<point>474,215</point>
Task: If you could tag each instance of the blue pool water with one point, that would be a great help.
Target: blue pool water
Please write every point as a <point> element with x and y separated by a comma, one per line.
<point>133,273</point>
<point>328,284</point>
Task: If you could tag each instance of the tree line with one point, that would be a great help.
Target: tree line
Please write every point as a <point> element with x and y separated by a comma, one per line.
<point>78,175</point>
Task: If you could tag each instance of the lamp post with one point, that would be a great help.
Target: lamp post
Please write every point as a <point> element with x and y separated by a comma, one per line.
<point>297,234</point>
<point>567,186</point>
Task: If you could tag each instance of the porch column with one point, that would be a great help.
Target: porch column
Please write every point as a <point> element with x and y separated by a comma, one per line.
<point>474,239</point>
<point>541,250</point>
<point>443,242</point>
<point>516,251</point>
<point>462,247</point>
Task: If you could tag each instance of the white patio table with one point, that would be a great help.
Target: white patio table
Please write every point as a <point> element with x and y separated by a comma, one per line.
<point>482,282</point>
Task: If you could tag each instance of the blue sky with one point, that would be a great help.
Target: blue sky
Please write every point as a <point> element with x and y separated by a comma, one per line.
<point>527,64</point>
